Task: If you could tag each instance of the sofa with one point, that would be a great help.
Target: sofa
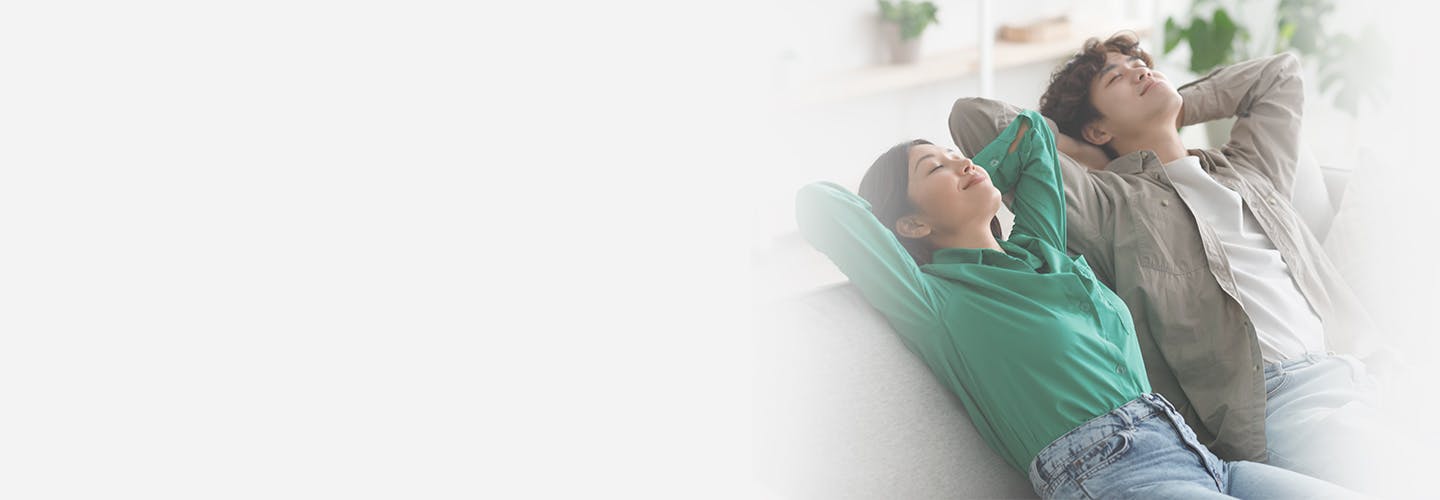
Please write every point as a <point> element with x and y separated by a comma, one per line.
<point>844,410</point>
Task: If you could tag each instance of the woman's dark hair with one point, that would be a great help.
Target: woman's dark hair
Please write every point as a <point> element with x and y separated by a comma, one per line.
<point>885,187</point>
<point>1067,98</point>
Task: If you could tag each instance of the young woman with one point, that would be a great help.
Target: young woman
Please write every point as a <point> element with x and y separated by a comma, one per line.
<point>1042,355</point>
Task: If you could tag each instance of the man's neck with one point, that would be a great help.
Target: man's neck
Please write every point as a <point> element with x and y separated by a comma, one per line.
<point>1164,141</point>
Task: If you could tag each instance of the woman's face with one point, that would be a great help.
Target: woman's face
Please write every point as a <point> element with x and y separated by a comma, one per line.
<point>950,191</point>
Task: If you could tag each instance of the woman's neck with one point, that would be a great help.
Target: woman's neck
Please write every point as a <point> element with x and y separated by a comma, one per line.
<point>976,238</point>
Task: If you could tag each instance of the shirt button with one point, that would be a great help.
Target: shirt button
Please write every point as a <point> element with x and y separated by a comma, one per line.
<point>1271,201</point>
<point>1120,369</point>
<point>994,162</point>
<point>1164,203</point>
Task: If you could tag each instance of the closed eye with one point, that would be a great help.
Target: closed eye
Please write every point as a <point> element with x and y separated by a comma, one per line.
<point>1113,78</point>
<point>937,167</point>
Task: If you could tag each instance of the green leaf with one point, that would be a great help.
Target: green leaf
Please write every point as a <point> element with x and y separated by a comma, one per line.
<point>1285,33</point>
<point>911,17</point>
<point>1305,19</point>
<point>1211,43</point>
<point>1225,28</point>
<point>1173,34</point>
<point>1203,54</point>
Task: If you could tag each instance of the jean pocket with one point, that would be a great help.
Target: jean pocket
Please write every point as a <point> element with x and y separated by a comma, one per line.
<point>1089,469</point>
<point>1270,390</point>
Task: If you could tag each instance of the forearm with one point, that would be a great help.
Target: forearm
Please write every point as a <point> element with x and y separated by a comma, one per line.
<point>1023,161</point>
<point>1234,89</point>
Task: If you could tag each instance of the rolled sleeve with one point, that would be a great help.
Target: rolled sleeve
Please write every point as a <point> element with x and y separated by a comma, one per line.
<point>1267,98</point>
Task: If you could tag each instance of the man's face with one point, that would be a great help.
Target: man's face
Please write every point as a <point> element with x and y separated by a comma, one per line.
<point>1132,98</point>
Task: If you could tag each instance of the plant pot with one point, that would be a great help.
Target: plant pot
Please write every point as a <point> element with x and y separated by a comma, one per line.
<point>899,51</point>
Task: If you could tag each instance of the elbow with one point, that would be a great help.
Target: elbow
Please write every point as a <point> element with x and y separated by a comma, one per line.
<point>1288,62</point>
<point>811,204</point>
<point>806,200</point>
<point>1288,71</point>
<point>975,121</point>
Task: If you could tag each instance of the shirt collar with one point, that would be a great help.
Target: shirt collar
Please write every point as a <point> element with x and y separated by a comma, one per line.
<point>1132,163</point>
<point>1014,256</point>
<point>1138,161</point>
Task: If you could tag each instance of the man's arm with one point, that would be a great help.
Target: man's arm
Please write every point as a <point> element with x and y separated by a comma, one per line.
<point>1267,97</point>
<point>1089,155</point>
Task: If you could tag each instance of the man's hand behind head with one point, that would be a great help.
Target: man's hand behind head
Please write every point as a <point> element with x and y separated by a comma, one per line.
<point>1087,154</point>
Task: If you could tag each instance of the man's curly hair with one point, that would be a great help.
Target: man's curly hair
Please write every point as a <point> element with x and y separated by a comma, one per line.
<point>1067,99</point>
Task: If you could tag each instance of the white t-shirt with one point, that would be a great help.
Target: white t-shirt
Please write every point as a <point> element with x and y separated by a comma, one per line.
<point>1284,322</point>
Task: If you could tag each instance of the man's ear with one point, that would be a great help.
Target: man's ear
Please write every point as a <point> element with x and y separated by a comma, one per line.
<point>910,226</point>
<point>1095,134</point>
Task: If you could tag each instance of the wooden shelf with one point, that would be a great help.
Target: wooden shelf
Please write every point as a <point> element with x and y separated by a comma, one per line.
<point>948,65</point>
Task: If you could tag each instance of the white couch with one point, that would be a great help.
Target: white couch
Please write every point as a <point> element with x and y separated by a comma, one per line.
<point>845,411</point>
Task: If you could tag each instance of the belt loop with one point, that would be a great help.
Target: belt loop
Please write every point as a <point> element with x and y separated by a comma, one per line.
<point>1161,402</point>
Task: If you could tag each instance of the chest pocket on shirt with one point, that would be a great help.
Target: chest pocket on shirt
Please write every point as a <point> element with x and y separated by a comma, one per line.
<point>1168,239</point>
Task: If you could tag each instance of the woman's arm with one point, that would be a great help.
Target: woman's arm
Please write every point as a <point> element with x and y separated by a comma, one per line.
<point>1089,203</point>
<point>839,224</point>
<point>1023,160</point>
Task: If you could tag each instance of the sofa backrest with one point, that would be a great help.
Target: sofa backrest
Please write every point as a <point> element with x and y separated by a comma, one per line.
<point>844,410</point>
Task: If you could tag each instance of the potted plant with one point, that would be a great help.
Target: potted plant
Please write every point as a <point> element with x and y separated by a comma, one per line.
<point>901,24</point>
<point>1351,69</point>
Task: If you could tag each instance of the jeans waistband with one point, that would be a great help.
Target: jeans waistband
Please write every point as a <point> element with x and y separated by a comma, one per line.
<point>1071,446</point>
<point>1302,360</point>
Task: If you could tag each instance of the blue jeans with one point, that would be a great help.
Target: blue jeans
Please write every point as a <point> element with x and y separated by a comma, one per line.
<point>1143,449</point>
<point>1322,419</point>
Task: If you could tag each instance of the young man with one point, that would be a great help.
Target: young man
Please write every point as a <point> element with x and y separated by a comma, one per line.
<point>1238,311</point>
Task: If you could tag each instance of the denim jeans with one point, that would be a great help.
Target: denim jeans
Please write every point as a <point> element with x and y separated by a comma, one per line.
<point>1143,449</point>
<point>1322,419</point>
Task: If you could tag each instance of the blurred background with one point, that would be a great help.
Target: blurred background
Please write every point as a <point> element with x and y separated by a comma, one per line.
<point>842,92</point>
